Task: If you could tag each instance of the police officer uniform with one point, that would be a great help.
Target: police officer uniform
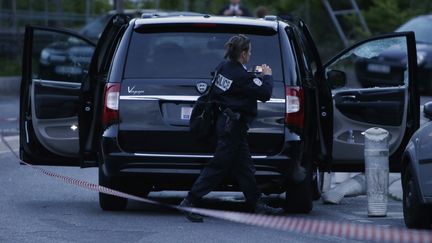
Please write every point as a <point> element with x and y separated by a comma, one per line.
<point>236,92</point>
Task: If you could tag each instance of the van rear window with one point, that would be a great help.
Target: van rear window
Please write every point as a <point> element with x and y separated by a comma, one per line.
<point>192,54</point>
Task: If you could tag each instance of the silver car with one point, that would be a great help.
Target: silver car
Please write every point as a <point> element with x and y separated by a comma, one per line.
<point>417,176</point>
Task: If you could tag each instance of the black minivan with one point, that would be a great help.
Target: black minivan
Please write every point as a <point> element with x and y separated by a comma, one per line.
<point>129,113</point>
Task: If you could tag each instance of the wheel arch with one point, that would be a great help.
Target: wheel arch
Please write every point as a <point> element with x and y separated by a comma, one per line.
<point>408,160</point>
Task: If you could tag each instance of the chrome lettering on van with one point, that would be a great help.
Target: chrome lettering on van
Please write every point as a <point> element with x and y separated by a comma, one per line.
<point>223,83</point>
<point>132,91</point>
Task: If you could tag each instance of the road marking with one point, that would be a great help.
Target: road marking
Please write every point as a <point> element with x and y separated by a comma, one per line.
<point>360,232</point>
<point>8,119</point>
<point>390,215</point>
<point>6,131</point>
<point>365,221</point>
<point>13,141</point>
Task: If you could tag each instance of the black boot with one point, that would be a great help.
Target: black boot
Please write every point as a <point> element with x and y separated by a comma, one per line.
<point>193,217</point>
<point>262,208</point>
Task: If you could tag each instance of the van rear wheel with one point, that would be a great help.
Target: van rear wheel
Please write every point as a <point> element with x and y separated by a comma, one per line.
<point>108,202</point>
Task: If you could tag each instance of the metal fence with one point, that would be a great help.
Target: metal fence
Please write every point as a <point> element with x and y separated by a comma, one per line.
<point>11,21</point>
<point>12,26</point>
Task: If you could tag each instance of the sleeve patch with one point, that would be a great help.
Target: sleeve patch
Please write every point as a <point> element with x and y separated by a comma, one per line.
<point>223,83</point>
<point>257,81</point>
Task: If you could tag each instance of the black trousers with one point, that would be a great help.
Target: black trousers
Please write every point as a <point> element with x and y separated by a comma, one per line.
<point>232,155</point>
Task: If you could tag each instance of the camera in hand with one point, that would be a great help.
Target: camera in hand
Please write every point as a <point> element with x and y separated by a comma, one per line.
<point>256,69</point>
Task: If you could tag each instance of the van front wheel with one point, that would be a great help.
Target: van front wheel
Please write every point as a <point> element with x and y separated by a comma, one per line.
<point>108,202</point>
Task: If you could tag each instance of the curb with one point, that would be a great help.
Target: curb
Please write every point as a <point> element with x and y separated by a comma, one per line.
<point>10,85</point>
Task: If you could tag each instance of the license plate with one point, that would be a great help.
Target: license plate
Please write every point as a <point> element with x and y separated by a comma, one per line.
<point>378,68</point>
<point>186,113</point>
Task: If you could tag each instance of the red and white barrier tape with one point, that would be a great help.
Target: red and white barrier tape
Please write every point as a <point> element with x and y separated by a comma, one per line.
<point>292,224</point>
<point>8,119</point>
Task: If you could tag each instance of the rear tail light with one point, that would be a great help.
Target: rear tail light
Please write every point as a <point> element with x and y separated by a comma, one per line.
<point>294,114</point>
<point>111,102</point>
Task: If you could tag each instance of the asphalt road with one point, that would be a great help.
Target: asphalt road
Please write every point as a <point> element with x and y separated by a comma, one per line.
<point>9,109</point>
<point>37,208</point>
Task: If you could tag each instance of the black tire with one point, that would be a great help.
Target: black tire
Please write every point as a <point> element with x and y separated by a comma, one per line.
<point>108,202</point>
<point>416,214</point>
<point>298,198</point>
<point>136,186</point>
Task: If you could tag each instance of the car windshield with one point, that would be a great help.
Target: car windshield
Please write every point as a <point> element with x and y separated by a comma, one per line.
<point>422,28</point>
<point>193,54</point>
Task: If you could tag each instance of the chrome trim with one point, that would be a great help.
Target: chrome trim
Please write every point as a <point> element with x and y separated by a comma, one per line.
<point>179,98</point>
<point>159,97</point>
<point>58,84</point>
<point>26,132</point>
<point>186,171</point>
<point>202,156</point>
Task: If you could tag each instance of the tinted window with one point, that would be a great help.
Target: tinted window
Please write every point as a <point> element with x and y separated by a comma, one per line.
<point>192,54</point>
<point>59,56</point>
<point>371,65</point>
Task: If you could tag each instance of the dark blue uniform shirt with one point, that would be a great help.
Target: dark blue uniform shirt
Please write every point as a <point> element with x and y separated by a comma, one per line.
<point>239,90</point>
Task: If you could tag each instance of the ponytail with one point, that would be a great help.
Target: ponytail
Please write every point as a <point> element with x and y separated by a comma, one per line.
<point>235,46</point>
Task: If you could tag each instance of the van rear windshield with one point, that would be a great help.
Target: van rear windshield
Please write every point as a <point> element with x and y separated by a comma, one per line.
<point>193,54</point>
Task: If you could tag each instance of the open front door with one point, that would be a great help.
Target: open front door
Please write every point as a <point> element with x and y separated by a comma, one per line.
<point>55,64</point>
<point>323,99</point>
<point>372,85</point>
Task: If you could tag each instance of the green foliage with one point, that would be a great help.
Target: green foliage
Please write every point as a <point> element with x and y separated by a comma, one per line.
<point>171,4</point>
<point>101,6</point>
<point>382,16</point>
<point>10,66</point>
<point>385,16</point>
<point>68,6</point>
<point>313,13</point>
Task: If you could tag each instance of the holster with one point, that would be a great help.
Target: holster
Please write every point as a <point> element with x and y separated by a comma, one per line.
<point>231,119</point>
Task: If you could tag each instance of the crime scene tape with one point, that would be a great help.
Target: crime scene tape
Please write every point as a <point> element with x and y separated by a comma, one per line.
<point>345,230</point>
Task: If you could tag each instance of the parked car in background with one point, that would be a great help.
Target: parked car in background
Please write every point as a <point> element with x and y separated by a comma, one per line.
<point>422,27</point>
<point>388,68</point>
<point>129,117</point>
<point>68,58</point>
<point>417,176</point>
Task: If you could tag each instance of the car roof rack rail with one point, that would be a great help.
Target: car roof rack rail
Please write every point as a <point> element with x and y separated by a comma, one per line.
<point>271,17</point>
<point>149,15</point>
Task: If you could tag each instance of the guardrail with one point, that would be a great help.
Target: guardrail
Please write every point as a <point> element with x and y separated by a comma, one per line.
<point>10,35</point>
<point>42,15</point>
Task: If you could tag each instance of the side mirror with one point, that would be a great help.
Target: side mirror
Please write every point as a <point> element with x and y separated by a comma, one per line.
<point>427,110</point>
<point>336,78</point>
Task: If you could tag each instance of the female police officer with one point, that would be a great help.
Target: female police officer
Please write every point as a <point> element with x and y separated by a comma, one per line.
<point>236,92</point>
